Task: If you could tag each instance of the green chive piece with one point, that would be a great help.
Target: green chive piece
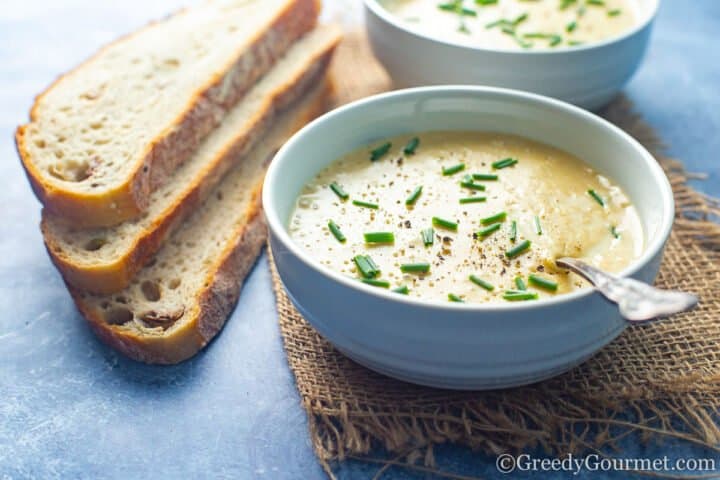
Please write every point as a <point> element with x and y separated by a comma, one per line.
<point>339,191</point>
<point>504,163</point>
<point>482,283</point>
<point>556,40</point>
<point>519,296</point>
<point>538,227</point>
<point>367,267</point>
<point>489,229</point>
<point>520,19</point>
<point>439,222</point>
<point>472,200</point>
<point>543,283</point>
<point>496,23</point>
<point>614,13</point>
<point>376,283</point>
<point>403,290</point>
<point>520,283</point>
<point>484,176</point>
<point>486,2</point>
<point>518,249</point>
<point>411,146</point>
<point>574,43</point>
<point>570,27</point>
<point>513,231</point>
<point>566,3</point>
<point>597,197</point>
<point>498,217</point>
<point>360,203</point>
<point>537,35</point>
<point>472,186</point>
<point>454,298</point>
<point>615,233</point>
<point>414,196</point>
<point>335,230</point>
<point>454,169</point>
<point>379,237</point>
<point>415,267</point>
<point>428,236</point>
<point>599,3</point>
<point>379,152</point>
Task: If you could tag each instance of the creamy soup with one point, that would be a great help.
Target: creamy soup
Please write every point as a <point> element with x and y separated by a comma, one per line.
<point>518,24</point>
<point>465,216</point>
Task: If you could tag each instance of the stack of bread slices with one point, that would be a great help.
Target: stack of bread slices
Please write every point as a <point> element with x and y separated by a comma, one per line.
<point>149,159</point>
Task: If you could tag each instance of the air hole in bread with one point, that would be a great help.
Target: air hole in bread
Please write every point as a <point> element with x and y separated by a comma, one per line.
<point>162,320</point>
<point>150,290</point>
<point>174,283</point>
<point>71,171</point>
<point>96,125</point>
<point>172,62</point>
<point>95,244</point>
<point>121,299</point>
<point>118,316</point>
<point>40,143</point>
<point>151,263</point>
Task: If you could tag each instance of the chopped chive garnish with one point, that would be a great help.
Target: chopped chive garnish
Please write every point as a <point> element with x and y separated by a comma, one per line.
<point>339,191</point>
<point>504,163</point>
<point>486,2</point>
<point>439,222</point>
<point>428,235</point>
<point>614,232</point>
<point>521,18</point>
<point>335,230</point>
<point>472,186</point>
<point>519,296</point>
<point>379,152</point>
<point>415,267</point>
<point>518,249</point>
<point>498,217</point>
<point>403,289</point>
<point>454,298</point>
<point>543,283</point>
<point>598,3</point>
<point>379,237</point>
<point>538,227</point>
<point>454,169</point>
<point>570,27</point>
<point>574,43</point>
<point>482,283</point>
<point>494,24</point>
<point>508,30</point>
<point>484,176</point>
<point>414,196</point>
<point>614,13</point>
<point>489,229</point>
<point>520,283</point>
<point>556,40</point>
<point>597,197</point>
<point>367,267</point>
<point>411,146</point>
<point>472,200</point>
<point>360,203</point>
<point>537,35</point>
<point>513,231</point>
<point>376,283</point>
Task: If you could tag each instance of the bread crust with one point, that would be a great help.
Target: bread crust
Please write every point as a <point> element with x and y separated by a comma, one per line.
<point>212,305</point>
<point>112,277</point>
<point>179,139</point>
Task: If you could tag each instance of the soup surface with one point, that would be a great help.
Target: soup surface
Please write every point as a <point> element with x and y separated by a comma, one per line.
<point>464,216</point>
<point>518,24</point>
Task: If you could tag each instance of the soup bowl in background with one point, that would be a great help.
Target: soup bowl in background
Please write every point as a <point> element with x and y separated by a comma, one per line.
<point>453,345</point>
<point>587,75</point>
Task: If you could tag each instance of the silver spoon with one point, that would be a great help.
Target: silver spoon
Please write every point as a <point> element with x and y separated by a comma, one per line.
<point>638,301</point>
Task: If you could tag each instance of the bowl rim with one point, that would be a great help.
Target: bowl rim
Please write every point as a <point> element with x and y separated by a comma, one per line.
<point>279,231</point>
<point>380,11</point>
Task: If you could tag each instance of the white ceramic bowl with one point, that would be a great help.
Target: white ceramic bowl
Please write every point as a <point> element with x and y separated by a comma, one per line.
<point>588,75</point>
<point>444,344</point>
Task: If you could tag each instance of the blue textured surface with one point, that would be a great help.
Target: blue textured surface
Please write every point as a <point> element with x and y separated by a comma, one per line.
<point>70,407</point>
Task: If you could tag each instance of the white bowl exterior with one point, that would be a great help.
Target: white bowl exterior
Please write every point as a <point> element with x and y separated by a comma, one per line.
<point>588,77</point>
<point>438,343</point>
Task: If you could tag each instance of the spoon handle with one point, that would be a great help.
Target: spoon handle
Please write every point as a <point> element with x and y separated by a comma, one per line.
<point>638,301</point>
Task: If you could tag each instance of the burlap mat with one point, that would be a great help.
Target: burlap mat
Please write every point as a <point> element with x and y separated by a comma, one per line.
<point>662,379</point>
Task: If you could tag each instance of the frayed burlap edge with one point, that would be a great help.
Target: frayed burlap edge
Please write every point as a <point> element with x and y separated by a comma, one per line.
<point>683,404</point>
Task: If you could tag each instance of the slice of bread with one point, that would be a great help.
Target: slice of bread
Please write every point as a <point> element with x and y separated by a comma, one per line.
<point>104,136</point>
<point>104,259</point>
<point>180,301</point>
